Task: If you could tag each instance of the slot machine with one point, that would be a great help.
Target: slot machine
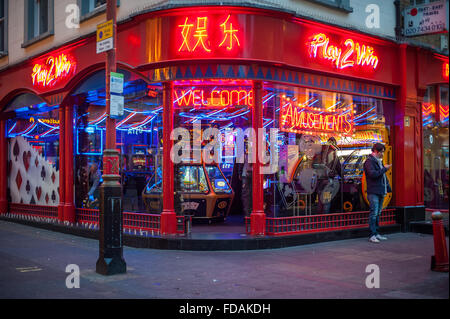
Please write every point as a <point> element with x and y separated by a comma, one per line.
<point>202,191</point>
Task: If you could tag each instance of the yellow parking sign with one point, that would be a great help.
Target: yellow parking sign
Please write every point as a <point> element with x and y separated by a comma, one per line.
<point>105,36</point>
<point>104,30</point>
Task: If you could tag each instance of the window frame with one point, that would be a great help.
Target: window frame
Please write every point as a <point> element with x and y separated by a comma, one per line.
<point>97,11</point>
<point>5,35</point>
<point>51,26</point>
<point>341,5</point>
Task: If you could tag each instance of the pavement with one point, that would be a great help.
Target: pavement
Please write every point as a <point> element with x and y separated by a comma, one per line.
<point>33,265</point>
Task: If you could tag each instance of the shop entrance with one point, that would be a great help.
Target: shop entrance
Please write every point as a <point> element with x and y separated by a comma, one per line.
<point>210,117</point>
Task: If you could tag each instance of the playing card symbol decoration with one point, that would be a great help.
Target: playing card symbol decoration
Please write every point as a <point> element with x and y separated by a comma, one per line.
<point>28,187</point>
<point>53,196</point>
<point>26,160</point>
<point>32,201</point>
<point>36,161</point>
<point>46,198</point>
<point>18,180</point>
<point>16,150</point>
<point>38,191</point>
<point>43,173</point>
<point>53,177</point>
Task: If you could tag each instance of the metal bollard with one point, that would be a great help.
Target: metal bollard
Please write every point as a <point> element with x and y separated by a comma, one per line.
<point>188,224</point>
<point>439,262</point>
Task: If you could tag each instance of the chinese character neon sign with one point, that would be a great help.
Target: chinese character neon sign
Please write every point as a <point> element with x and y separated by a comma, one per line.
<point>213,98</point>
<point>353,54</point>
<point>197,35</point>
<point>230,35</point>
<point>54,70</point>
<point>301,118</point>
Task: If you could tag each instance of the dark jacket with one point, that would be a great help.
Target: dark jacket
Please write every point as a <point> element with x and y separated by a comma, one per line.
<point>375,176</point>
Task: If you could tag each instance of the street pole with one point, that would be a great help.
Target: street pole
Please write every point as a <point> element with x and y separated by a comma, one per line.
<point>110,259</point>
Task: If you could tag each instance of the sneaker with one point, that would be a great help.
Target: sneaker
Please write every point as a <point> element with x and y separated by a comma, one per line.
<point>379,237</point>
<point>374,239</point>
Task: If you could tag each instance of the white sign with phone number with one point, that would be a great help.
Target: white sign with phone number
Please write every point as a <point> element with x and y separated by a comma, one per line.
<point>426,18</point>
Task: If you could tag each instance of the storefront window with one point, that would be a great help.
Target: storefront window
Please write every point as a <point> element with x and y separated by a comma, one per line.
<point>322,143</point>
<point>436,149</point>
<point>216,116</point>
<point>33,153</point>
<point>138,139</point>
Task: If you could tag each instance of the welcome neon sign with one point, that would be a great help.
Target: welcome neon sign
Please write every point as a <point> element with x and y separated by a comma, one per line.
<point>304,119</point>
<point>205,34</point>
<point>353,54</point>
<point>213,97</point>
<point>55,69</point>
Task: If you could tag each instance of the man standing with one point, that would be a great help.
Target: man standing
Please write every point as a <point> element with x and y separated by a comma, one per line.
<point>377,188</point>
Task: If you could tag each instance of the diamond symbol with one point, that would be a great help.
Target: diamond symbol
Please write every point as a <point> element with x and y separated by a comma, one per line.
<point>18,180</point>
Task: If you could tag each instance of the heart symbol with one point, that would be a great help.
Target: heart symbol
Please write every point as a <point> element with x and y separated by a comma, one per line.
<point>26,162</point>
<point>38,192</point>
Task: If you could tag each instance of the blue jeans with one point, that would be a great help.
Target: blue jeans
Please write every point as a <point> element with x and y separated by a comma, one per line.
<point>376,205</point>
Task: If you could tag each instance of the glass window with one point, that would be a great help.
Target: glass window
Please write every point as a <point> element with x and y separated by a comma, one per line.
<point>222,107</point>
<point>88,6</point>
<point>337,4</point>
<point>3,26</point>
<point>38,18</point>
<point>435,147</point>
<point>138,139</point>
<point>91,8</point>
<point>33,156</point>
<point>322,143</point>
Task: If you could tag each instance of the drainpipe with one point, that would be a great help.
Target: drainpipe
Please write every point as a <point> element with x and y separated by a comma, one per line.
<point>398,19</point>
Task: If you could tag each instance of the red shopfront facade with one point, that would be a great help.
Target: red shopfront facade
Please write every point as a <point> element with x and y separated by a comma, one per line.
<point>228,67</point>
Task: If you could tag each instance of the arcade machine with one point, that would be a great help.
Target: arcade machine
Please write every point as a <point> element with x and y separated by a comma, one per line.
<point>304,177</point>
<point>139,166</point>
<point>354,151</point>
<point>202,190</point>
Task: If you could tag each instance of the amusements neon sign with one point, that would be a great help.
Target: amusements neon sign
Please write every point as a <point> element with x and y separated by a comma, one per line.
<point>54,70</point>
<point>213,98</point>
<point>304,119</point>
<point>197,35</point>
<point>354,53</point>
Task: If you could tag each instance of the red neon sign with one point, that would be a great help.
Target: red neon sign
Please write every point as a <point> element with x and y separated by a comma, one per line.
<point>443,112</point>
<point>54,70</point>
<point>213,98</point>
<point>201,34</point>
<point>353,54</point>
<point>445,70</point>
<point>304,119</point>
<point>428,108</point>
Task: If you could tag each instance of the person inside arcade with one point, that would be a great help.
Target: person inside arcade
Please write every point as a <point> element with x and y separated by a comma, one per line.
<point>377,188</point>
<point>94,181</point>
